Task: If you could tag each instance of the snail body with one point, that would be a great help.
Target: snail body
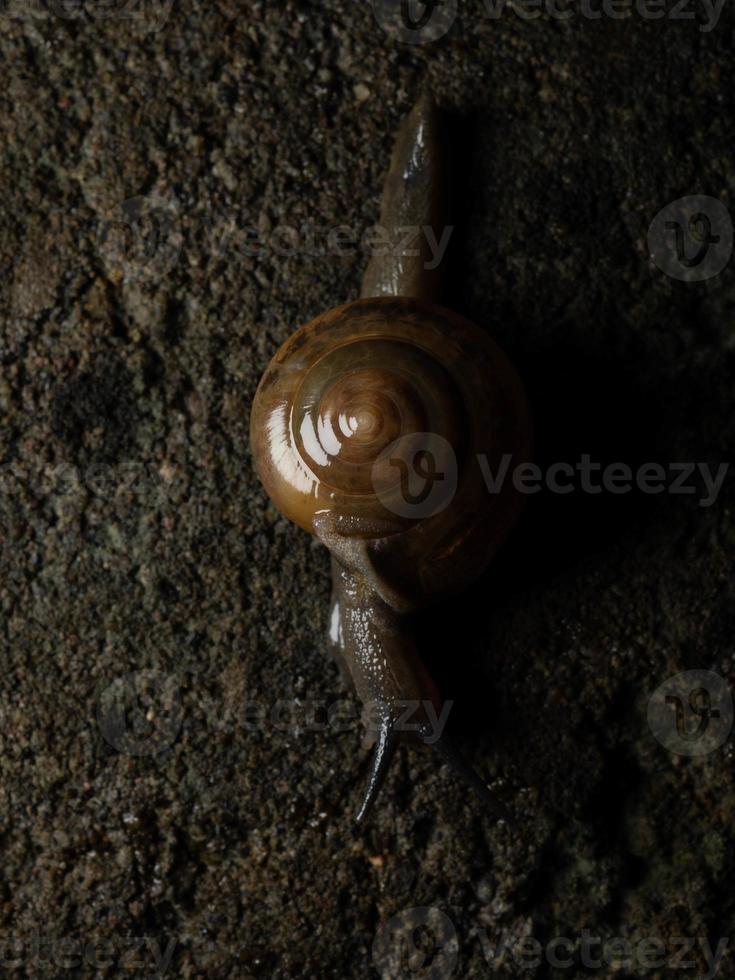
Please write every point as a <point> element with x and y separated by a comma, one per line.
<point>366,430</point>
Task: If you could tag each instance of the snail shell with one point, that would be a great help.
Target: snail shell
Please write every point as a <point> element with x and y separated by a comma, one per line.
<point>357,400</point>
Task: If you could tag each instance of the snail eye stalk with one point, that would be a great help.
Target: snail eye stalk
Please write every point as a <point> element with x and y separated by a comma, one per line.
<point>385,747</point>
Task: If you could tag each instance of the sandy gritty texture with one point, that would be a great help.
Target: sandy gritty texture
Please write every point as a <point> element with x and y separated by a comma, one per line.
<point>141,565</point>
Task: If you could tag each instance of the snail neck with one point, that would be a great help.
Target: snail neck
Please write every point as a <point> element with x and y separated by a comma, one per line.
<point>414,211</point>
<point>374,646</point>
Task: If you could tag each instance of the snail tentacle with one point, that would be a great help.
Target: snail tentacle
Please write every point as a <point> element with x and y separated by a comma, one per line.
<point>446,749</point>
<point>385,746</point>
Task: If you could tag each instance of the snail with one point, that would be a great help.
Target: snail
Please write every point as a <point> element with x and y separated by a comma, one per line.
<point>367,429</point>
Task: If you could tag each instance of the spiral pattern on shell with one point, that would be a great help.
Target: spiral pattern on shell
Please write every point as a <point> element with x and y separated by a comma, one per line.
<point>366,377</point>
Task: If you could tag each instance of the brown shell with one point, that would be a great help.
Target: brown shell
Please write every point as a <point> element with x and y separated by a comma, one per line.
<point>384,413</point>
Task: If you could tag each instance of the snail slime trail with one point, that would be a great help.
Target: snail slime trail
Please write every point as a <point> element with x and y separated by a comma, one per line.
<point>353,405</point>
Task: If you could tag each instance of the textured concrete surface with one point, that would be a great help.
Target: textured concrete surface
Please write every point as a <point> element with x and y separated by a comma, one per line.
<point>141,566</point>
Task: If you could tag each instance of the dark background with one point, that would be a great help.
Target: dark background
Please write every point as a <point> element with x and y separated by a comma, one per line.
<point>142,565</point>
